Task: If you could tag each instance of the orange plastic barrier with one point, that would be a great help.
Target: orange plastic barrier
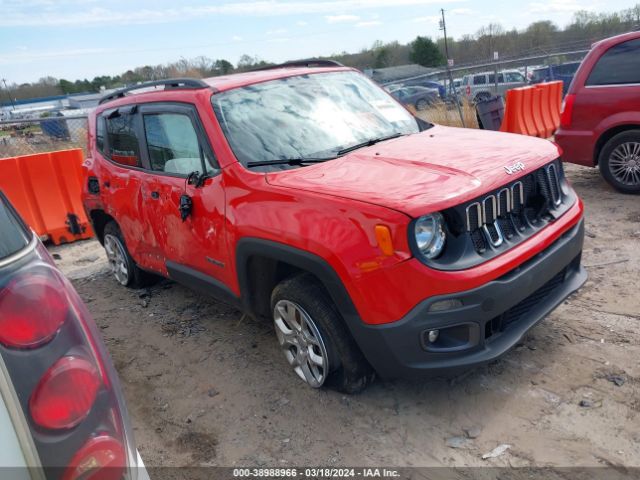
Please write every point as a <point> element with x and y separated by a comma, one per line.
<point>533,111</point>
<point>45,189</point>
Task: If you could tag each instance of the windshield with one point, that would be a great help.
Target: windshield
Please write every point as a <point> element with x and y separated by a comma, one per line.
<point>308,116</point>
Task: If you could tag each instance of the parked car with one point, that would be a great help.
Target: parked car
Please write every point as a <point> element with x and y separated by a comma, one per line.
<point>62,413</point>
<point>418,97</point>
<point>421,82</point>
<point>563,72</point>
<point>481,86</point>
<point>374,241</point>
<point>600,120</point>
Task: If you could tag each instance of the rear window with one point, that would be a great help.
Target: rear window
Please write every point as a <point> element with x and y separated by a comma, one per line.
<point>618,66</point>
<point>122,140</point>
<point>101,132</point>
<point>14,236</point>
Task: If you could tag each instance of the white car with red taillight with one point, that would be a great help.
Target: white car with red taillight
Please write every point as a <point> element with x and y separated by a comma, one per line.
<point>62,413</point>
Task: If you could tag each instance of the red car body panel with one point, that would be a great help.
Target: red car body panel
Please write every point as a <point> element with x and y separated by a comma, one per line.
<point>328,209</point>
<point>425,172</point>
<point>597,110</point>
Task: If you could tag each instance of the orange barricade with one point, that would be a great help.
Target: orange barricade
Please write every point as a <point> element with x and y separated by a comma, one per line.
<point>45,189</point>
<point>533,111</point>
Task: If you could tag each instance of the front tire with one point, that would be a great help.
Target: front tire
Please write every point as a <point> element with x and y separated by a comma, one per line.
<point>123,266</point>
<point>619,162</point>
<point>314,338</point>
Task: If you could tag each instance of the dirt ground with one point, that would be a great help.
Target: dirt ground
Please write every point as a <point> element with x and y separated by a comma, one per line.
<point>207,386</point>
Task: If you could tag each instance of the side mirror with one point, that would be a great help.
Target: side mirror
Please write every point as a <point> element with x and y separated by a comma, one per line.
<point>195,178</point>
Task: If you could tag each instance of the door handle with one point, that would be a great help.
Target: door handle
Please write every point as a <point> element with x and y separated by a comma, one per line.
<point>155,195</point>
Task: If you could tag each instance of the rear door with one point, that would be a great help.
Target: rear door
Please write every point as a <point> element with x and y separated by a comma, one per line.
<point>118,138</point>
<point>175,148</point>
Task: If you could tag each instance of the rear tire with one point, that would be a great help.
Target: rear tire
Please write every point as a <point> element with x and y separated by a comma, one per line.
<point>123,266</point>
<point>314,338</point>
<point>619,162</point>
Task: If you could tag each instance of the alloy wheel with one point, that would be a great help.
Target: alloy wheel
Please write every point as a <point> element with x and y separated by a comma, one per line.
<point>117,259</point>
<point>301,342</point>
<point>624,163</point>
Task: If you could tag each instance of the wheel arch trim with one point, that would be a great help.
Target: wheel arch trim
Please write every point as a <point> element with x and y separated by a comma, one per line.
<point>309,262</point>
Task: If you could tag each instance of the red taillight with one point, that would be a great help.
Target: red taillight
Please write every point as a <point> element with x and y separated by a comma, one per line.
<point>65,394</point>
<point>468,91</point>
<point>101,458</point>
<point>33,310</point>
<point>566,111</point>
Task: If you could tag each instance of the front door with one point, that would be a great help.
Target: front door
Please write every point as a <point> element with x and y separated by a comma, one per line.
<point>182,167</point>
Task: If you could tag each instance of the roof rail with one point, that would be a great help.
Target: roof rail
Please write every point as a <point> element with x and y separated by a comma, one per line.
<point>169,84</point>
<point>309,63</point>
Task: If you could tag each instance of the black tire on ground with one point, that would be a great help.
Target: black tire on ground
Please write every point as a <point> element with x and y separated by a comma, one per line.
<point>349,371</point>
<point>611,154</point>
<point>422,104</point>
<point>137,278</point>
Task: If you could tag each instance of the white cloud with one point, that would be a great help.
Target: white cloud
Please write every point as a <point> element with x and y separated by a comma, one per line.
<point>236,38</point>
<point>558,6</point>
<point>28,57</point>
<point>301,23</point>
<point>277,31</point>
<point>278,40</point>
<point>461,11</point>
<point>341,18</point>
<point>435,19</point>
<point>23,14</point>
<point>370,23</point>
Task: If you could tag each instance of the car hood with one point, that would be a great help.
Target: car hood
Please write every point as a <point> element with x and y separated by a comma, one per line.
<point>425,172</point>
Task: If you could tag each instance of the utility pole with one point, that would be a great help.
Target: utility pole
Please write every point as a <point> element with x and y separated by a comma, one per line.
<point>13,105</point>
<point>443,27</point>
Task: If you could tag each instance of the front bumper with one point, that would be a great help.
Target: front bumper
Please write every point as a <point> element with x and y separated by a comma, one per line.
<point>489,322</point>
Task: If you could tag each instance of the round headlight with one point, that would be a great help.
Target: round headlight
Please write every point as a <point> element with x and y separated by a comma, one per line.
<point>430,236</point>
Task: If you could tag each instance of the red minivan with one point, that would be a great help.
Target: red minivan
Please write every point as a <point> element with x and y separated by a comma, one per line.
<point>600,121</point>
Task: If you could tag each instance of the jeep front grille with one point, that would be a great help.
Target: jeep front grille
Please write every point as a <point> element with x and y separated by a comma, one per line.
<point>498,215</point>
<point>492,223</point>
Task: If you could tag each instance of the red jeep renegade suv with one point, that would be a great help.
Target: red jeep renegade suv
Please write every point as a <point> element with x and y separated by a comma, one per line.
<point>305,194</point>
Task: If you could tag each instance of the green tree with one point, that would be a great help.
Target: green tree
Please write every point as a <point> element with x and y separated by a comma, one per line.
<point>426,53</point>
<point>224,66</point>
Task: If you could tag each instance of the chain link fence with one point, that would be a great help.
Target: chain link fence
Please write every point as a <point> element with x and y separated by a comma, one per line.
<point>25,137</point>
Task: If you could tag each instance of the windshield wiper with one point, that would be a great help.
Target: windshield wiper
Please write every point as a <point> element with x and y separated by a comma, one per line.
<point>368,143</point>
<point>289,161</point>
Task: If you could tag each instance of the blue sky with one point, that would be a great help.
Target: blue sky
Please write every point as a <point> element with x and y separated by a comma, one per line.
<point>84,38</point>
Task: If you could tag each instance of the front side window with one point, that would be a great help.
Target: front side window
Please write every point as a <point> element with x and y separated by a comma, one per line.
<point>173,143</point>
<point>480,80</point>
<point>123,145</point>
<point>619,65</point>
<point>308,116</point>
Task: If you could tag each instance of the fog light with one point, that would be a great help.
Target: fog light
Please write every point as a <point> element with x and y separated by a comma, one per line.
<point>433,335</point>
<point>443,305</point>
